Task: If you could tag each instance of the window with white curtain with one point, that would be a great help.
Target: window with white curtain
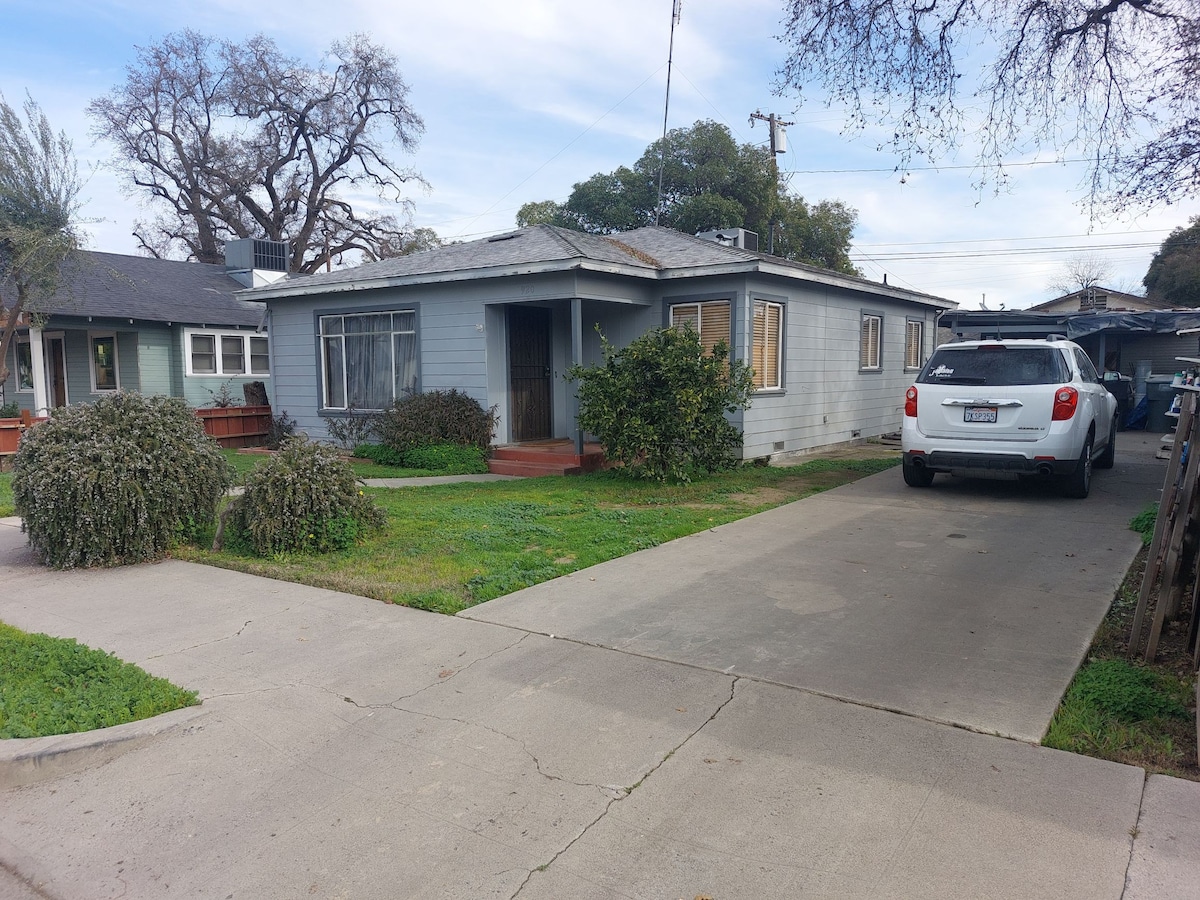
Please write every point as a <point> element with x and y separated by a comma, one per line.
<point>368,359</point>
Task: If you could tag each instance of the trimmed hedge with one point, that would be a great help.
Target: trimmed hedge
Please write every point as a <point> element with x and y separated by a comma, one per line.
<point>303,500</point>
<point>117,481</point>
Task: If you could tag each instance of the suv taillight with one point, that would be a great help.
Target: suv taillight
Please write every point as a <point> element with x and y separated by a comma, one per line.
<point>910,402</point>
<point>1066,401</point>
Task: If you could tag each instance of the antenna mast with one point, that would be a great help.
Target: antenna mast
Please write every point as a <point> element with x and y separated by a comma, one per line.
<point>676,6</point>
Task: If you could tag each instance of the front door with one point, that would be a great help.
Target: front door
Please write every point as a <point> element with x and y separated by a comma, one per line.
<point>529,372</point>
<point>56,370</point>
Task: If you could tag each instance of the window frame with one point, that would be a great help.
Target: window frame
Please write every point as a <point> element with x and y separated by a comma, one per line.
<point>323,342</point>
<point>700,305</point>
<point>909,325</point>
<point>93,371</point>
<point>19,342</point>
<point>865,364</point>
<point>219,336</point>
<point>780,330</point>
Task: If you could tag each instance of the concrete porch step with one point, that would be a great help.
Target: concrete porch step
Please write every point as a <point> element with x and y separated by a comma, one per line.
<point>530,469</point>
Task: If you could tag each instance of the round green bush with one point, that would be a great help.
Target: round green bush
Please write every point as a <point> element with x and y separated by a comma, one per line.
<point>116,481</point>
<point>304,499</point>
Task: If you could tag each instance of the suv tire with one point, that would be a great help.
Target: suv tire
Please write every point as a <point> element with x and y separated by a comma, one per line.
<point>1079,483</point>
<point>1109,456</point>
<point>915,476</point>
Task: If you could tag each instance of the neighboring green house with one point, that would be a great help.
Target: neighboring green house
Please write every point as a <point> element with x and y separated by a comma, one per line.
<point>503,318</point>
<point>149,325</point>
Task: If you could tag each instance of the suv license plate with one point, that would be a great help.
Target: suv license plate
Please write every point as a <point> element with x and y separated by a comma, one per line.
<point>979,414</point>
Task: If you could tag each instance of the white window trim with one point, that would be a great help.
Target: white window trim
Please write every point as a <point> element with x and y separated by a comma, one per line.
<point>779,364</point>
<point>16,364</point>
<point>92,337</point>
<point>323,340</point>
<point>919,324</point>
<point>867,366</point>
<point>217,335</point>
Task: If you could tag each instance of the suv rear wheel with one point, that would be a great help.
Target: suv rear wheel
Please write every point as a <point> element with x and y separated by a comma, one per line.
<point>1079,483</point>
<point>916,476</point>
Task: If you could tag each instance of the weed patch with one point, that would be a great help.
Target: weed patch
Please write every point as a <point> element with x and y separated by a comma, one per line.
<point>59,686</point>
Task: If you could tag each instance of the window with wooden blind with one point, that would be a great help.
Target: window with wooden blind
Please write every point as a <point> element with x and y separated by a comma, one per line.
<point>767,348</point>
<point>869,350</point>
<point>914,344</point>
<point>710,320</point>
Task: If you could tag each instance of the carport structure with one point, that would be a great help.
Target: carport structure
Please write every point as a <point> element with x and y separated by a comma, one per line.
<point>1115,341</point>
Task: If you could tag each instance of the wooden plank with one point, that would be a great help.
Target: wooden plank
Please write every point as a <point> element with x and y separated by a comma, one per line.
<point>1154,557</point>
<point>1180,517</point>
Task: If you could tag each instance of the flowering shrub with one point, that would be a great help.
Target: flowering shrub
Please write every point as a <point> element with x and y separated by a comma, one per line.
<point>116,481</point>
<point>305,499</point>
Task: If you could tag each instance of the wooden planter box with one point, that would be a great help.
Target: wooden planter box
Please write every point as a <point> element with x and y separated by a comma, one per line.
<point>237,426</point>
<point>12,429</point>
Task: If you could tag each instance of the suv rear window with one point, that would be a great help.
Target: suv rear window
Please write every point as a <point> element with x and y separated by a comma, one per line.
<point>995,365</point>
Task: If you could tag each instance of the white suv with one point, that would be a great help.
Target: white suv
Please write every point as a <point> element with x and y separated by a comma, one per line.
<point>1007,408</point>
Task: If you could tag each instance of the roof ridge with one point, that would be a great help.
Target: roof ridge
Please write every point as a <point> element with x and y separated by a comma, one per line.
<point>557,232</point>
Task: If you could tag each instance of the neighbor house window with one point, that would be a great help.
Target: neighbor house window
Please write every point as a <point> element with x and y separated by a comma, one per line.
<point>368,360</point>
<point>914,344</point>
<point>868,350</point>
<point>768,339</point>
<point>104,362</point>
<point>24,367</point>
<point>226,353</point>
<point>710,320</point>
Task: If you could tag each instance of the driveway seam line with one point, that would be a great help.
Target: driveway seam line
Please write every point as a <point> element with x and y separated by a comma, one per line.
<point>758,679</point>
<point>1133,835</point>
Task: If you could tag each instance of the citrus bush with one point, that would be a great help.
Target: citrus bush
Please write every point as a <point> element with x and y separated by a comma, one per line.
<point>304,499</point>
<point>658,405</point>
<point>116,481</point>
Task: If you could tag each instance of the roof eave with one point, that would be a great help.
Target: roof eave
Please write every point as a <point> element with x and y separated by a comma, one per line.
<point>300,288</point>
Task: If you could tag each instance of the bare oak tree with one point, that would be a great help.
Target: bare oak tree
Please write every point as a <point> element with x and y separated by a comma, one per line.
<point>39,204</point>
<point>233,140</point>
<point>1115,80</point>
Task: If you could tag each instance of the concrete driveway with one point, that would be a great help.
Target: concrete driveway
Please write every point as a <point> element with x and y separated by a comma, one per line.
<point>351,749</point>
<point>969,603</point>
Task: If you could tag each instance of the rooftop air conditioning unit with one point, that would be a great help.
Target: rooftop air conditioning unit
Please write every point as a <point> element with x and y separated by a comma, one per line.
<point>732,237</point>
<point>254,253</point>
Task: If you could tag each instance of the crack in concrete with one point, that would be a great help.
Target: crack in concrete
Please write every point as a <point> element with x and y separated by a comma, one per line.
<point>1135,831</point>
<point>219,640</point>
<point>441,680</point>
<point>627,791</point>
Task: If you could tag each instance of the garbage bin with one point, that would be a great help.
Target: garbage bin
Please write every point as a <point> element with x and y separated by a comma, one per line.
<point>1159,394</point>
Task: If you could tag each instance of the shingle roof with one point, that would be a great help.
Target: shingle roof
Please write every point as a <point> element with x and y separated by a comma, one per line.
<point>155,290</point>
<point>644,252</point>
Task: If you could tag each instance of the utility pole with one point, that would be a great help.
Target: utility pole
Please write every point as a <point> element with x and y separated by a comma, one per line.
<point>676,6</point>
<point>778,145</point>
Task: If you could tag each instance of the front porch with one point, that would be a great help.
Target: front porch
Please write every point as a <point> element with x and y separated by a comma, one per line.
<point>551,457</point>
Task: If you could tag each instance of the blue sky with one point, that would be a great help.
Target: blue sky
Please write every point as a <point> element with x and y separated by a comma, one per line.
<point>522,99</point>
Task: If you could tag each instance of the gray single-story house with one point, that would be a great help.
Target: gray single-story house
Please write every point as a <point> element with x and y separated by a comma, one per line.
<point>150,325</point>
<point>502,318</point>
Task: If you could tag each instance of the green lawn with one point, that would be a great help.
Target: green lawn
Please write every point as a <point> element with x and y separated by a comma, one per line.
<point>6,498</point>
<point>58,686</point>
<point>448,547</point>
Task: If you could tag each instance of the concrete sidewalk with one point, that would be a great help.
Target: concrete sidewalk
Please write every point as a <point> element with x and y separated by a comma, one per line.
<point>347,748</point>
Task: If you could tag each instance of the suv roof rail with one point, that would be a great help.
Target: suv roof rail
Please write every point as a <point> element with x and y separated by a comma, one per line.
<point>1056,337</point>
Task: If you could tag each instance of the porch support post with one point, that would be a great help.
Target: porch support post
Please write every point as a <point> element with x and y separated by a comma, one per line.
<point>577,359</point>
<point>37,358</point>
